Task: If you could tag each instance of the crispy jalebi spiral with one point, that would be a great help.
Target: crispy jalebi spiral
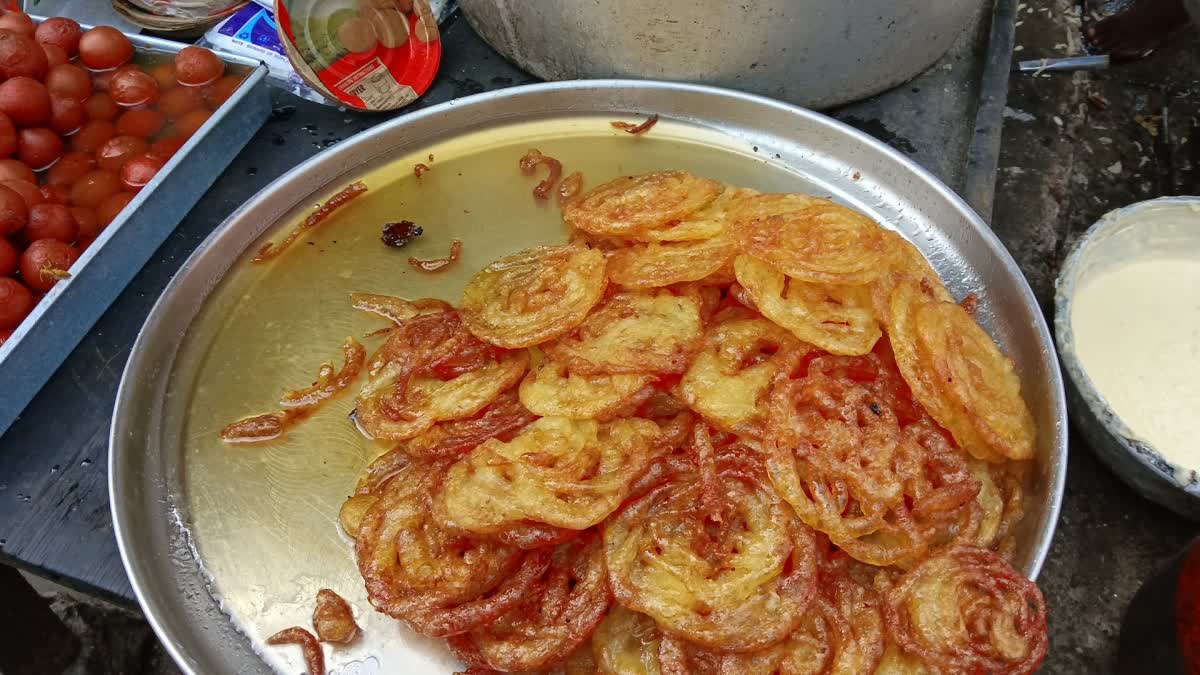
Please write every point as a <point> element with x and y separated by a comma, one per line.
<point>712,221</point>
<point>626,643</point>
<point>300,403</point>
<point>502,419</point>
<point>561,472</point>
<point>634,332</point>
<point>534,295</point>
<point>728,380</point>
<point>440,582</point>
<point>630,205</point>
<point>739,583</point>
<point>821,242</point>
<point>431,343</point>
<point>838,318</point>
<point>550,390</point>
<point>842,633</point>
<point>333,620</point>
<point>556,616</point>
<point>522,535</point>
<point>942,490</point>
<point>656,264</point>
<point>823,644</point>
<point>908,260</point>
<point>432,370</point>
<point>959,375</point>
<point>847,454</point>
<point>428,400</point>
<point>965,610</point>
<point>758,421</point>
<point>314,658</point>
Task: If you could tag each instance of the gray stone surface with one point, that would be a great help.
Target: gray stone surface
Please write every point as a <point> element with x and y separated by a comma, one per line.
<point>114,640</point>
<point>1065,161</point>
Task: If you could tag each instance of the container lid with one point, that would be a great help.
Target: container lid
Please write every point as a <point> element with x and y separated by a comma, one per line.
<point>180,18</point>
<point>364,54</point>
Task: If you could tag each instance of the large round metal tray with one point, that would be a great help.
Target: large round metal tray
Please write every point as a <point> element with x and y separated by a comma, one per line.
<point>219,561</point>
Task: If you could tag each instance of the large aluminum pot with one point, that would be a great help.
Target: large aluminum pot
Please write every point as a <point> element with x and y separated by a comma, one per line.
<point>815,53</point>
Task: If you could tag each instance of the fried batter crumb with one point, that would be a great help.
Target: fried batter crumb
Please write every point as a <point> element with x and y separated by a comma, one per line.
<point>529,164</point>
<point>437,263</point>
<point>970,303</point>
<point>314,658</point>
<point>636,129</point>
<point>321,214</point>
<point>333,620</point>
<point>571,185</point>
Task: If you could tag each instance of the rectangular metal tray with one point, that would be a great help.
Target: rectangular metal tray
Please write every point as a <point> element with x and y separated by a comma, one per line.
<point>67,312</point>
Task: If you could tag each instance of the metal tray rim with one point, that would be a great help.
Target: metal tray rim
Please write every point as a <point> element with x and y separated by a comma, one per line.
<point>125,395</point>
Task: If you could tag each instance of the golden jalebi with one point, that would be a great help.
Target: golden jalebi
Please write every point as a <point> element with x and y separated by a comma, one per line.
<point>719,432</point>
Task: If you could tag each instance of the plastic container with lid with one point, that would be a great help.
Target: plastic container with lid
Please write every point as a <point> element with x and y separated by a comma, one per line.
<point>364,54</point>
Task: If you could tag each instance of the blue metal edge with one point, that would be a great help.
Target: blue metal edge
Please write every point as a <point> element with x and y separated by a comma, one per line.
<point>42,342</point>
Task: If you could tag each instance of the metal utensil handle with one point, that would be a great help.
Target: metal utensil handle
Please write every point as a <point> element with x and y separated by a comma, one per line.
<point>1067,63</point>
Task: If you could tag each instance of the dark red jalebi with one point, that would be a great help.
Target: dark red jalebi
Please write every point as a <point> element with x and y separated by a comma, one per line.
<point>557,614</point>
<point>441,583</point>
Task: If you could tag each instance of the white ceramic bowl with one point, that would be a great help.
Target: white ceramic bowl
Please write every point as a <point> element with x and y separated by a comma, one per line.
<point>1119,234</point>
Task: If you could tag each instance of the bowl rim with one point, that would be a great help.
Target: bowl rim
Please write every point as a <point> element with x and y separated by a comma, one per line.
<point>1065,288</point>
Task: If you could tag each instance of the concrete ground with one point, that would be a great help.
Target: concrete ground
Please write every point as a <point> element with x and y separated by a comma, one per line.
<point>1075,146</point>
<point>113,640</point>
